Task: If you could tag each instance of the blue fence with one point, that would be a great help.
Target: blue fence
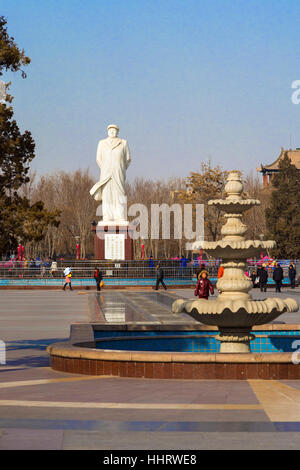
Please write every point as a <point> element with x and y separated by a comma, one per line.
<point>84,282</point>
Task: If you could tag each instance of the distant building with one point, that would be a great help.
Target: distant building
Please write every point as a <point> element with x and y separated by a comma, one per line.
<point>268,171</point>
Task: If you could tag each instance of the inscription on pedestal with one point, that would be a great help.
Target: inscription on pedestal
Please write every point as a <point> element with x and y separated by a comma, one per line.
<point>115,246</point>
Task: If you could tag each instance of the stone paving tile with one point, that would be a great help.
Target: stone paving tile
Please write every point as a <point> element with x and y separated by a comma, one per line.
<point>30,439</point>
<point>178,440</point>
<point>30,319</point>
<point>292,383</point>
<point>137,391</point>
<point>33,373</point>
<point>144,426</point>
<point>19,412</point>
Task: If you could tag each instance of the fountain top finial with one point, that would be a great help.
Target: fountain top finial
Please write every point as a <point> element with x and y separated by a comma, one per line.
<point>234,186</point>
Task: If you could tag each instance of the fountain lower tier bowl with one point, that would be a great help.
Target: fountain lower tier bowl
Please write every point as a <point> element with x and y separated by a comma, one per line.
<point>235,313</point>
<point>235,317</point>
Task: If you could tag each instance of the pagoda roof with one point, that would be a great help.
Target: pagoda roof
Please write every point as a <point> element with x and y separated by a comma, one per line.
<point>294,156</point>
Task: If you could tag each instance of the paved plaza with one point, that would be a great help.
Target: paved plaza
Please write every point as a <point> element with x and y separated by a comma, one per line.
<point>44,409</point>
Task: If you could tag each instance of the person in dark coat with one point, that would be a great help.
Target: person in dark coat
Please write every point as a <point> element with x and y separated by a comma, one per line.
<point>160,277</point>
<point>292,275</point>
<point>278,277</point>
<point>98,278</point>
<point>204,286</point>
<point>253,278</point>
<point>263,279</point>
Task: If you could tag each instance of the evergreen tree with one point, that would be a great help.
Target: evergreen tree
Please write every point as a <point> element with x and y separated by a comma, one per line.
<point>283,215</point>
<point>11,57</point>
<point>19,220</point>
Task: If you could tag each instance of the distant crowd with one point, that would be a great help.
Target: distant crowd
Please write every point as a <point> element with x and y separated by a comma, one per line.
<point>260,276</point>
<point>47,267</point>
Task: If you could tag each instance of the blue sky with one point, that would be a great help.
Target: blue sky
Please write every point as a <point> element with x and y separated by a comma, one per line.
<point>185,80</point>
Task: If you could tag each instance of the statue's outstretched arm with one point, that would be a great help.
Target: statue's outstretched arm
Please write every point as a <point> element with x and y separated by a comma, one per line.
<point>127,155</point>
<point>99,155</point>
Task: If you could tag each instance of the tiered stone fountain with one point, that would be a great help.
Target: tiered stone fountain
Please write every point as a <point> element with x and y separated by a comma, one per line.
<point>145,349</point>
<point>234,312</point>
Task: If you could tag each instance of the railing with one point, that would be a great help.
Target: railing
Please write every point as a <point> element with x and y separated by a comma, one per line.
<point>118,270</point>
<point>79,273</point>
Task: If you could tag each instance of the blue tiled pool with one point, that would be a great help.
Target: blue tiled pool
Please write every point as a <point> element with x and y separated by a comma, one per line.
<point>91,282</point>
<point>108,281</point>
<point>192,341</point>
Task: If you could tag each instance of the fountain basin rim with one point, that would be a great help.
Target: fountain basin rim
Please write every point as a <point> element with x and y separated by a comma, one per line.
<point>76,351</point>
<point>68,357</point>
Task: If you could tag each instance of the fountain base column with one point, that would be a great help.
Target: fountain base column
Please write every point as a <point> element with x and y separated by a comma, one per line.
<point>235,340</point>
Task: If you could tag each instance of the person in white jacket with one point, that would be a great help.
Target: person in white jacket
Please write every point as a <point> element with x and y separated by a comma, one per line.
<point>53,268</point>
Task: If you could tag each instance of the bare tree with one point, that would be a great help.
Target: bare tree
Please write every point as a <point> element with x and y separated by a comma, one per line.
<point>255,218</point>
<point>69,193</point>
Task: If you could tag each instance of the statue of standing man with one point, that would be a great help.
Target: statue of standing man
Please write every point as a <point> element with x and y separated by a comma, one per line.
<point>113,158</point>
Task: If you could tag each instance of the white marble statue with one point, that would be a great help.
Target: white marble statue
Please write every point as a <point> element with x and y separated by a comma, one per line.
<point>113,158</point>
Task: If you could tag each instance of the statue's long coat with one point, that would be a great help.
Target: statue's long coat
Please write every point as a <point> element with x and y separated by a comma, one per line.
<point>113,158</point>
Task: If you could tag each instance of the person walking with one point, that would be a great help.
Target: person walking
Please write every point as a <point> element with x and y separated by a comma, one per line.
<point>32,267</point>
<point>38,265</point>
<point>43,270</point>
<point>183,265</point>
<point>98,278</point>
<point>253,278</point>
<point>160,277</point>
<point>220,272</point>
<point>204,286</point>
<point>53,268</point>
<point>278,277</point>
<point>263,279</point>
<point>292,275</point>
<point>68,274</point>
<point>47,266</point>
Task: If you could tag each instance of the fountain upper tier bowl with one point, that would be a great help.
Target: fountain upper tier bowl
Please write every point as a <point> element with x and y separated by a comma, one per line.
<point>234,206</point>
<point>234,248</point>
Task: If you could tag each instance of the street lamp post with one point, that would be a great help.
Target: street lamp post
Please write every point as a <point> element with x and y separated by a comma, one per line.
<point>261,236</point>
<point>77,238</point>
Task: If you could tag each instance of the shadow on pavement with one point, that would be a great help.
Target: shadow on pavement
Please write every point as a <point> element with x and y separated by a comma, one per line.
<point>37,348</point>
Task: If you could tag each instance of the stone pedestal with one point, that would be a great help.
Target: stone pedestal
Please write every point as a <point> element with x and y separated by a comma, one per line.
<point>113,242</point>
<point>235,340</point>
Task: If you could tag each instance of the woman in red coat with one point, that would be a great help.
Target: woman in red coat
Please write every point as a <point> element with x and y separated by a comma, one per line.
<point>203,286</point>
